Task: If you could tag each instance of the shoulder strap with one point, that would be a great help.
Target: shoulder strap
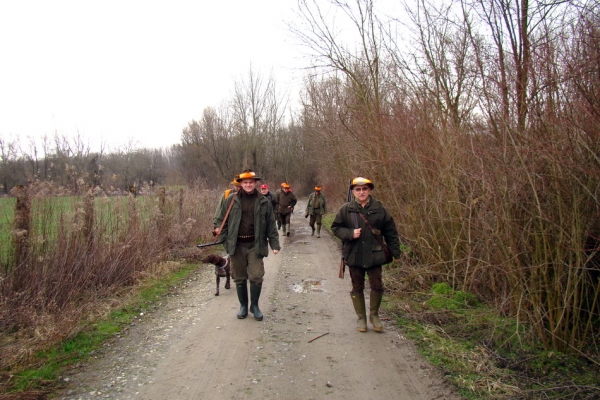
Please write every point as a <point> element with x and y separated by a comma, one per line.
<point>225,219</point>
<point>373,231</point>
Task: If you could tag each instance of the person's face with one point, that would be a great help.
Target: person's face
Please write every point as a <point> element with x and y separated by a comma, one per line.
<point>237,188</point>
<point>286,190</point>
<point>264,190</point>
<point>361,192</point>
<point>248,185</point>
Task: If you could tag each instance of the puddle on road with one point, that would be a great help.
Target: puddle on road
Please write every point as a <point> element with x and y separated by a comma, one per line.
<point>308,286</point>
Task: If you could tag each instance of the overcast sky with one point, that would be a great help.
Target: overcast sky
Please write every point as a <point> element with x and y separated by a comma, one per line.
<point>116,70</point>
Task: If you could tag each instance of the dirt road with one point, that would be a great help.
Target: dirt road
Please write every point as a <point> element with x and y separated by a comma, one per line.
<point>194,347</point>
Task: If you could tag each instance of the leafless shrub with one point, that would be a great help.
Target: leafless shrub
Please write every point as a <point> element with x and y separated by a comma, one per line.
<point>486,151</point>
<point>81,261</point>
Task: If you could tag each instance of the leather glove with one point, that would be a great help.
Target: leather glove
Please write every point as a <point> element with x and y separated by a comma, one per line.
<point>306,216</point>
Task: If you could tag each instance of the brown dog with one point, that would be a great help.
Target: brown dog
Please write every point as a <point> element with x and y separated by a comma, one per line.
<point>222,269</point>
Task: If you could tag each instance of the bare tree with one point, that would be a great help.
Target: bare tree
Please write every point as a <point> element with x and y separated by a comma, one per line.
<point>363,75</point>
<point>257,115</point>
<point>9,166</point>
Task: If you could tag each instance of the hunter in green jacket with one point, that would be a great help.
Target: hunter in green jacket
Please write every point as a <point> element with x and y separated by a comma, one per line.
<point>248,232</point>
<point>265,230</point>
<point>363,252</point>
<point>316,207</point>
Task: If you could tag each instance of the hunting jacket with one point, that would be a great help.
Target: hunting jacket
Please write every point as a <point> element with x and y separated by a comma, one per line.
<point>265,230</point>
<point>276,209</point>
<point>365,252</point>
<point>286,199</point>
<point>322,205</point>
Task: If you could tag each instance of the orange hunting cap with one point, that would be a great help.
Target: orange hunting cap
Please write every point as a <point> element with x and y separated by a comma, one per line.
<point>359,181</point>
<point>248,174</point>
<point>318,188</point>
<point>285,186</point>
<point>235,182</point>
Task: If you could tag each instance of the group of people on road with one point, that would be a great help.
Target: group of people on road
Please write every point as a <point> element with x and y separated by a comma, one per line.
<point>247,219</point>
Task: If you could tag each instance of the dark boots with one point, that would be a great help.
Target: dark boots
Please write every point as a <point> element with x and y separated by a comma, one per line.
<point>242,292</point>
<point>254,296</point>
<point>358,300</point>
<point>313,230</point>
<point>288,229</point>
<point>374,303</point>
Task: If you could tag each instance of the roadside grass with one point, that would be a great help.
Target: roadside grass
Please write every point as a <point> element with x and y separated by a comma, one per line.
<point>486,355</point>
<point>482,353</point>
<point>49,365</point>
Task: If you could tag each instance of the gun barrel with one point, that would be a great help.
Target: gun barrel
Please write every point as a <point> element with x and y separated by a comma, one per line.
<point>208,244</point>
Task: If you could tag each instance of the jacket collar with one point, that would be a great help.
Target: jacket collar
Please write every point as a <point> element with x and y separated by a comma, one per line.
<point>355,207</point>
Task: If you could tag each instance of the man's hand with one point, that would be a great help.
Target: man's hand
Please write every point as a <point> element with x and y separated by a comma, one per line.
<point>356,233</point>
<point>275,251</point>
<point>305,215</point>
<point>216,232</point>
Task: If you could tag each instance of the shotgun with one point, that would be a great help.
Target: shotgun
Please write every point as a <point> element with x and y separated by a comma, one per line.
<point>207,244</point>
<point>342,262</point>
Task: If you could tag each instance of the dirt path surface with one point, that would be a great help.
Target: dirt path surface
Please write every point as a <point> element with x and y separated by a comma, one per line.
<point>193,347</point>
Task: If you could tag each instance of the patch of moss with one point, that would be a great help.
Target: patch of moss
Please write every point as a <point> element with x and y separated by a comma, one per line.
<point>444,297</point>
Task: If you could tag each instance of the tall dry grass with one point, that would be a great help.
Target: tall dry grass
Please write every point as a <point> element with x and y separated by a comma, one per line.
<point>82,257</point>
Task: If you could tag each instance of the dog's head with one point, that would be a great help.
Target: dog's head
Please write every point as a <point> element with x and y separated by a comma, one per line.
<point>211,259</point>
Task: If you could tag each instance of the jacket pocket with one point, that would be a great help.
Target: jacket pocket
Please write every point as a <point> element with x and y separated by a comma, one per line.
<point>378,256</point>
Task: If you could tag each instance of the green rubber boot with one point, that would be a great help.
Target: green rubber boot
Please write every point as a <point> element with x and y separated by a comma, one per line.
<point>318,230</point>
<point>254,296</point>
<point>358,300</point>
<point>242,292</point>
<point>374,303</point>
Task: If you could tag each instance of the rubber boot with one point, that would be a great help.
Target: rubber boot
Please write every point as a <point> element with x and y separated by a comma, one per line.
<point>318,230</point>
<point>374,303</point>
<point>284,226</point>
<point>242,292</point>
<point>254,296</point>
<point>358,300</point>
<point>313,230</point>
<point>288,230</point>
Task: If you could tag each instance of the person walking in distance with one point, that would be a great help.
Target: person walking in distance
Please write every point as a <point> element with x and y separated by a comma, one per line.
<point>287,201</point>
<point>264,190</point>
<point>277,208</point>
<point>247,233</point>
<point>316,207</point>
<point>361,224</point>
